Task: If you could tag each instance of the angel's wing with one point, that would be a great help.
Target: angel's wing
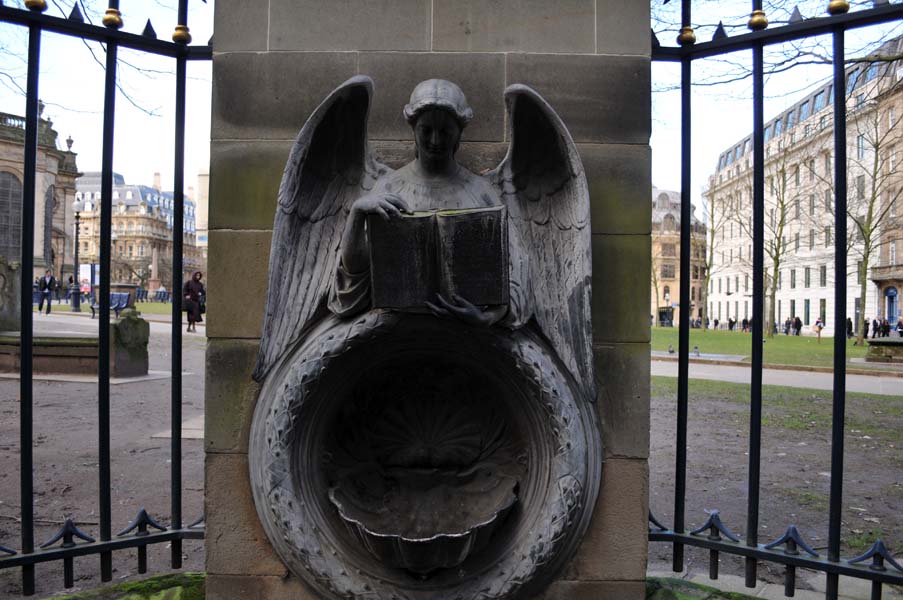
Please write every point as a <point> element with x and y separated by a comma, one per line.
<point>541,181</point>
<point>329,166</point>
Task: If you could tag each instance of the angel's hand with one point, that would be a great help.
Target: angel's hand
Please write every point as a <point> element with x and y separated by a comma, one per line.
<point>387,206</point>
<point>466,311</point>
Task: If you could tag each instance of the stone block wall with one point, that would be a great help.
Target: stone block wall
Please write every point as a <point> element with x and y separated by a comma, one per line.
<point>274,62</point>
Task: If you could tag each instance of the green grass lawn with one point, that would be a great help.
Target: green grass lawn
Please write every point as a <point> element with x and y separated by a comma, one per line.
<point>150,308</point>
<point>782,349</point>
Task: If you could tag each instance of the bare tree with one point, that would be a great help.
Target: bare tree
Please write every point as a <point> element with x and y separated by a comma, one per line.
<point>717,215</point>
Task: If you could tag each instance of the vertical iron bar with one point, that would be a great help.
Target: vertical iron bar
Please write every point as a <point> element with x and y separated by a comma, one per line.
<point>182,14</point>
<point>68,573</point>
<point>103,367</point>
<point>789,581</point>
<point>26,416</point>
<point>840,307</point>
<point>177,237</point>
<point>683,357</point>
<point>758,301</point>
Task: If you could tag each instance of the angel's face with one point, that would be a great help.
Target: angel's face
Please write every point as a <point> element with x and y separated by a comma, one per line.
<point>436,134</point>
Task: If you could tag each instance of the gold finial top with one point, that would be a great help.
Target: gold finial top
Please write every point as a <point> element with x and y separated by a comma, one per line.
<point>181,35</point>
<point>36,5</point>
<point>686,36</point>
<point>112,19</point>
<point>757,20</point>
<point>838,7</point>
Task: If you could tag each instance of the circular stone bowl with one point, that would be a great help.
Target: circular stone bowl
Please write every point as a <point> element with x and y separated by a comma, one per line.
<point>434,520</point>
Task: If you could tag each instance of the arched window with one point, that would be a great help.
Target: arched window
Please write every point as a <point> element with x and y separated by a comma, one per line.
<point>669,223</point>
<point>10,216</point>
<point>667,293</point>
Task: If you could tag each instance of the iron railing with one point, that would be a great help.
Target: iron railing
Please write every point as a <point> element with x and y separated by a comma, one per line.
<point>137,533</point>
<point>877,564</point>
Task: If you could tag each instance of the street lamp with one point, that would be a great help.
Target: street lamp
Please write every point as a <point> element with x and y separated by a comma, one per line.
<point>77,207</point>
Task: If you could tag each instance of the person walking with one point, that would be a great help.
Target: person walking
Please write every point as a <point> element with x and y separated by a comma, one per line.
<point>797,326</point>
<point>819,325</point>
<point>194,296</point>
<point>875,326</point>
<point>46,285</point>
<point>849,328</point>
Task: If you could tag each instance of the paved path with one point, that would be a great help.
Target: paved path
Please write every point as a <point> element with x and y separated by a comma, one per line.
<point>887,386</point>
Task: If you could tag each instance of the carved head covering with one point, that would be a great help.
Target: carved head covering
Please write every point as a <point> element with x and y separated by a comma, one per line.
<point>438,93</point>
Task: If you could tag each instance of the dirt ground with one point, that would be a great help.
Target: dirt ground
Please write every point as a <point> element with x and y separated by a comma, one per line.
<point>796,464</point>
<point>65,462</point>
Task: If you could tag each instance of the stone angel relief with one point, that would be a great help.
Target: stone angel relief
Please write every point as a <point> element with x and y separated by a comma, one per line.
<point>427,347</point>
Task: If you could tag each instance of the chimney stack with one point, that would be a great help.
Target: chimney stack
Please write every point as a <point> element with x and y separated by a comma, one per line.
<point>157,181</point>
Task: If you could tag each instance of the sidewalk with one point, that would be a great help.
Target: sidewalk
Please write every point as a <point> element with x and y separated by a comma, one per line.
<point>855,366</point>
<point>850,588</point>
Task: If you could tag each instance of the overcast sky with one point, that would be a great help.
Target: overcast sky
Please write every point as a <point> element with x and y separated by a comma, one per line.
<point>144,144</point>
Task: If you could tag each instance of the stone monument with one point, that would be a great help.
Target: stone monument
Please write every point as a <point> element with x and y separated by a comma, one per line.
<point>389,498</point>
<point>10,296</point>
<point>426,363</point>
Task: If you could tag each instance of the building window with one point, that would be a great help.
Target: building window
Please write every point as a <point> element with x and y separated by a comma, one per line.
<point>828,201</point>
<point>746,282</point>
<point>10,216</point>
<point>796,175</point>
<point>823,275</point>
<point>860,187</point>
<point>666,293</point>
<point>891,117</point>
<point>668,271</point>
<point>728,290</point>
<point>812,204</point>
<point>807,277</point>
<point>805,312</point>
<point>860,146</point>
<point>796,242</point>
<point>693,294</point>
<point>828,237</point>
<point>792,279</point>
<point>669,250</point>
<point>892,248</point>
<point>823,310</point>
<point>811,239</point>
<point>719,285</point>
<point>793,309</point>
<point>780,279</point>
<point>796,208</point>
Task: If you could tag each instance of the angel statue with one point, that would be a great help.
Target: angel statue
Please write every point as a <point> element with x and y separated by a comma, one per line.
<point>427,393</point>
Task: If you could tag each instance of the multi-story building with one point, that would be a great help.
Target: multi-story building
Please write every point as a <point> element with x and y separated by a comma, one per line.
<point>665,289</point>
<point>202,201</point>
<point>799,206</point>
<point>142,223</point>
<point>54,193</point>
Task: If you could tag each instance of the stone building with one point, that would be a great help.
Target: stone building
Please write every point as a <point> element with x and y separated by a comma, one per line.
<point>54,192</point>
<point>142,223</point>
<point>799,206</point>
<point>274,64</point>
<point>665,300</point>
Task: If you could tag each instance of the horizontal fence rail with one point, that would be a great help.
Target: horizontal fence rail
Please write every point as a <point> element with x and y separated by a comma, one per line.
<point>790,550</point>
<point>69,541</point>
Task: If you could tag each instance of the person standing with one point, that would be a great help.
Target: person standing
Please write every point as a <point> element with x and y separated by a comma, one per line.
<point>818,327</point>
<point>875,326</point>
<point>46,285</point>
<point>194,295</point>
<point>849,328</point>
<point>797,326</point>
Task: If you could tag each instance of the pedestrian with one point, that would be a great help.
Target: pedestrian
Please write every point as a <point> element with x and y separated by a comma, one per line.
<point>900,326</point>
<point>875,326</point>
<point>885,328</point>
<point>46,286</point>
<point>195,298</point>
<point>819,325</point>
<point>849,327</point>
<point>745,323</point>
<point>797,326</point>
<point>716,323</point>
<point>787,326</point>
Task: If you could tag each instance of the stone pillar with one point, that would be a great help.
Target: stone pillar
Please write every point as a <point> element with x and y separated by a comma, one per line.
<point>153,283</point>
<point>10,296</point>
<point>272,66</point>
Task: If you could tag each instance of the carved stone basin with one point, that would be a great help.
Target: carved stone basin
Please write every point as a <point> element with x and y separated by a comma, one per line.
<point>400,457</point>
<point>425,519</point>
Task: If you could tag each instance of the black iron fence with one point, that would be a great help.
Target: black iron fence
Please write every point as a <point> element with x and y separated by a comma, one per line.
<point>69,542</point>
<point>790,550</point>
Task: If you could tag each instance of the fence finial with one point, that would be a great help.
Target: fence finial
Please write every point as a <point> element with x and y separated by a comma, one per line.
<point>36,5</point>
<point>838,7</point>
<point>757,20</point>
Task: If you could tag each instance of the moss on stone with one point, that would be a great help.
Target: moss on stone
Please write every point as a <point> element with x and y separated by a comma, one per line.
<point>667,588</point>
<point>182,586</point>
